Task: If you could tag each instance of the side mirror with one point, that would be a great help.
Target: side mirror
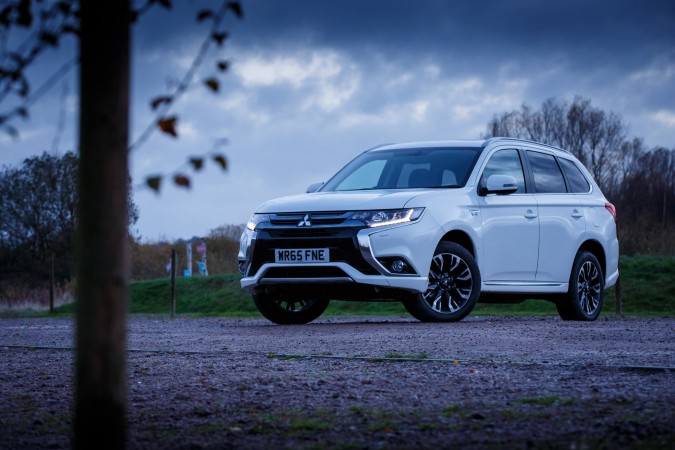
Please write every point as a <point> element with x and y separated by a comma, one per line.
<point>500,185</point>
<point>314,187</point>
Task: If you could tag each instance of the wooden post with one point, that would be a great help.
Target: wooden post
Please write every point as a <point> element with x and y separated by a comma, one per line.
<point>617,289</point>
<point>617,295</point>
<point>173,283</point>
<point>51,285</point>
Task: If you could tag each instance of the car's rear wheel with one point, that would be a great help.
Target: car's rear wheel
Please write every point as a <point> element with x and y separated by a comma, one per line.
<point>284,311</point>
<point>585,295</point>
<point>454,286</point>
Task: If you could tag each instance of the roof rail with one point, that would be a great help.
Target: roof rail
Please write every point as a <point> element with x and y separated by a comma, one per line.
<point>525,141</point>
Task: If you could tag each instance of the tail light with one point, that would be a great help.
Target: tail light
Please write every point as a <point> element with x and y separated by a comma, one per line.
<point>612,210</point>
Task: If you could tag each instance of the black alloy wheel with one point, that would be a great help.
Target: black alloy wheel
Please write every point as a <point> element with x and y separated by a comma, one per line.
<point>454,286</point>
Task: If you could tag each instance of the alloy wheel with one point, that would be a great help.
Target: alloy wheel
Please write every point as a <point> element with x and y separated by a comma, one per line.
<point>589,288</point>
<point>450,283</point>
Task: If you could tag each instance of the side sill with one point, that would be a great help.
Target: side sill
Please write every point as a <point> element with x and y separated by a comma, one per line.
<point>524,288</point>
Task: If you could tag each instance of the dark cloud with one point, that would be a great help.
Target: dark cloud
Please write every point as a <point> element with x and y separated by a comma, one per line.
<point>321,80</point>
<point>600,32</point>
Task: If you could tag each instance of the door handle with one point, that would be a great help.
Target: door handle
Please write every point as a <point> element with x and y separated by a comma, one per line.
<point>530,215</point>
<point>576,214</point>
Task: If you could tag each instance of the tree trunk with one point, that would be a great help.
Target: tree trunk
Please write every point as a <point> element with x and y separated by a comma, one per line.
<point>102,253</point>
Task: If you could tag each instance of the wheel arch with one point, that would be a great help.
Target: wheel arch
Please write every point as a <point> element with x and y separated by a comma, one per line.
<point>462,238</point>
<point>595,247</point>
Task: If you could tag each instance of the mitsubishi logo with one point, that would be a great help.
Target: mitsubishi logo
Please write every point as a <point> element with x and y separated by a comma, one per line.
<point>305,222</point>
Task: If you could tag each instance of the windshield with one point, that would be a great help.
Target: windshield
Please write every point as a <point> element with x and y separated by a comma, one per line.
<point>436,167</point>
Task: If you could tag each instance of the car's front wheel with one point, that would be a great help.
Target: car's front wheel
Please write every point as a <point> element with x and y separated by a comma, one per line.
<point>454,286</point>
<point>285,311</point>
<point>584,297</point>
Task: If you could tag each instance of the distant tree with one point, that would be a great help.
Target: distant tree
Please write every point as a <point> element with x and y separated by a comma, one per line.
<point>646,198</point>
<point>38,204</point>
<point>232,232</point>
<point>591,134</point>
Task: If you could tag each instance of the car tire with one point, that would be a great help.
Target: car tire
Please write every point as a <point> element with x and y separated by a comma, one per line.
<point>454,286</point>
<point>585,295</point>
<point>285,311</point>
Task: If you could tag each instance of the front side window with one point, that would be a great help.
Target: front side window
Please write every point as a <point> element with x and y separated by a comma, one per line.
<point>577,181</point>
<point>505,162</point>
<point>436,167</point>
<point>548,179</point>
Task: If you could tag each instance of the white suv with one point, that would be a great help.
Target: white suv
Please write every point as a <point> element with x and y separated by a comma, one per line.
<point>438,226</point>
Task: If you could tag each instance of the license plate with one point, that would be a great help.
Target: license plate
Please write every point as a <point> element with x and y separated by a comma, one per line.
<point>301,255</point>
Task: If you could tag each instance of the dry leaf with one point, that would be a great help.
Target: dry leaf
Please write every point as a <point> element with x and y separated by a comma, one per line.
<point>197,163</point>
<point>158,101</point>
<point>212,84</point>
<point>235,7</point>
<point>221,161</point>
<point>154,182</point>
<point>204,14</point>
<point>168,125</point>
<point>181,180</point>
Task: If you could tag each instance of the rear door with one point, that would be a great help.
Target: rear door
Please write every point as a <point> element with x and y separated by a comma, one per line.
<point>561,218</point>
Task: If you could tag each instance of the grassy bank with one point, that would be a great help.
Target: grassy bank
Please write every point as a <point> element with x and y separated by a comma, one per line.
<point>647,283</point>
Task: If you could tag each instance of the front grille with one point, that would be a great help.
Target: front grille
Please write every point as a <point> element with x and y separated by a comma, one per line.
<point>342,245</point>
<point>316,218</point>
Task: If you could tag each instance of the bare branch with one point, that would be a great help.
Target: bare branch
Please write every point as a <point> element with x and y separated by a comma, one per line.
<point>163,108</point>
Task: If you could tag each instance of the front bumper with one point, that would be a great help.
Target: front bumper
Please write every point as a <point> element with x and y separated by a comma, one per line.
<point>354,272</point>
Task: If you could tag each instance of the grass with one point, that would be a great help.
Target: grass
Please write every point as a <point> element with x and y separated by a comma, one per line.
<point>647,285</point>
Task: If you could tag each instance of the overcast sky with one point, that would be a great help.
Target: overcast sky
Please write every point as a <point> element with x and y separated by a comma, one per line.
<point>313,83</point>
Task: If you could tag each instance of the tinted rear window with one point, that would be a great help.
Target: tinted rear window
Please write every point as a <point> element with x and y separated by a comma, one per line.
<point>576,179</point>
<point>548,179</point>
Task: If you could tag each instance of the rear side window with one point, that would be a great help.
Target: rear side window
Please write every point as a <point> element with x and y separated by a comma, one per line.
<point>577,181</point>
<point>548,179</point>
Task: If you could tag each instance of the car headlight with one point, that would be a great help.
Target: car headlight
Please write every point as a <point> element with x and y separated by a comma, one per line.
<point>256,219</point>
<point>388,216</point>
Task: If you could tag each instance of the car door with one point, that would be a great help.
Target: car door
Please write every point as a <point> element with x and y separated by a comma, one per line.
<point>510,225</point>
<point>561,218</point>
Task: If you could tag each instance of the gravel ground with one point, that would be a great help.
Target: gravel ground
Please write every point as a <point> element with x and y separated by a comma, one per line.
<point>359,383</point>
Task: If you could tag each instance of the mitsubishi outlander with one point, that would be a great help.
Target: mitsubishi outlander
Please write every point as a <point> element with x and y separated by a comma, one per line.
<point>437,226</point>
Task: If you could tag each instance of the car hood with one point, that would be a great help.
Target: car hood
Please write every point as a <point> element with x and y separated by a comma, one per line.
<point>341,201</point>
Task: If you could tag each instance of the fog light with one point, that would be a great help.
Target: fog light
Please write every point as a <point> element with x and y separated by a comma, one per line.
<point>398,266</point>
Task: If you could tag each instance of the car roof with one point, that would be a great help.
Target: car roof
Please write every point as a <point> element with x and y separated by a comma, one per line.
<point>460,143</point>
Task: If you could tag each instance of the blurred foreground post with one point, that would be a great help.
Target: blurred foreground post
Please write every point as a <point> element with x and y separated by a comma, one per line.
<point>102,226</point>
